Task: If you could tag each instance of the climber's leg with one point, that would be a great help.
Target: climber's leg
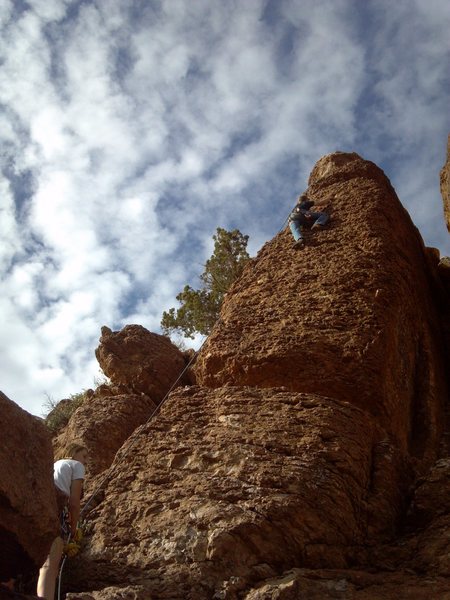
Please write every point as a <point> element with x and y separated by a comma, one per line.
<point>320,220</point>
<point>49,571</point>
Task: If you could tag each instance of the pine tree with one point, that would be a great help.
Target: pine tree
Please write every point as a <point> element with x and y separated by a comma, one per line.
<point>200,308</point>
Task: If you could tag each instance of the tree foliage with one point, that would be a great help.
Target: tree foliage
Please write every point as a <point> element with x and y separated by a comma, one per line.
<point>200,308</point>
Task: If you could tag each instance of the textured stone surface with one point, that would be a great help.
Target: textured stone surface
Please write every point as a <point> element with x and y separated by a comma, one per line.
<point>125,592</point>
<point>28,514</point>
<point>350,316</point>
<point>241,483</point>
<point>445,186</point>
<point>139,361</point>
<point>351,585</point>
<point>425,544</point>
<point>103,422</point>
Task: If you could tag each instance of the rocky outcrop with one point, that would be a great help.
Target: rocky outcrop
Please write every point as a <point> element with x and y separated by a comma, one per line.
<point>445,186</point>
<point>416,565</point>
<point>320,399</point>
<point>351,316</point>
<point>350,584</point>
<point>28,514</point>
<point>138,361</point>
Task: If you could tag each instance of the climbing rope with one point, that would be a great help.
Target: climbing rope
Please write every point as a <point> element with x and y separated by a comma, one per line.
<point>63,562</point>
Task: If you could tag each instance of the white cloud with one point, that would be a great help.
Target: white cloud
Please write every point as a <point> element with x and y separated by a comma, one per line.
<point>131,133</point>
<point>6,9</point>
<point>9,231</point>
<point>49,10</point>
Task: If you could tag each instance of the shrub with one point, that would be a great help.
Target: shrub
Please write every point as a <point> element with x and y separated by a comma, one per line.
<point>59,413</point>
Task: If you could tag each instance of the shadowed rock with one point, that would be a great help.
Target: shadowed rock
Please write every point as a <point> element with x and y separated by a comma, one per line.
<point>28,514</point>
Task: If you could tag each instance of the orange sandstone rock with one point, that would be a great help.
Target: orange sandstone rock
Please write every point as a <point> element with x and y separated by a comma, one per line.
<point>351,316</point>
<point>241,482</point>
<point>103,423</point>
<point>142,367</point>
<point>139,361</point>
<point>286,472</point>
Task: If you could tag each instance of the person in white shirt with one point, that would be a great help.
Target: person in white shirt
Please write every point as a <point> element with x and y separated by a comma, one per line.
<point>69,474</point>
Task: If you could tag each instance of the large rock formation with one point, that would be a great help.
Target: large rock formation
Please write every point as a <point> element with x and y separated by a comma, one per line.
<point>445,186</point>
<point>116,417</point>
<point>28,514</point>
<point>320,400</point>
<point>350,316</point>
<point>241,483</point>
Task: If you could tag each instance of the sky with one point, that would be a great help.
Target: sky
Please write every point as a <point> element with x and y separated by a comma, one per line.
<point>131,129</point>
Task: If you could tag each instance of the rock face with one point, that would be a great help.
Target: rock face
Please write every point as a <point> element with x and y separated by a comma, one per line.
<point>305,461</point>
<point>350,585</point>
<point>142,367</point>
<point>241,483</point>
<point>103,423</point>
<point>445,186</point>
<point>28,513</point>
<point>350,316</point>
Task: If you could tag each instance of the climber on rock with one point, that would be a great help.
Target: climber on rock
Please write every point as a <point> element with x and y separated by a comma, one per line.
<point>301,217</point>
<point>68,474</point>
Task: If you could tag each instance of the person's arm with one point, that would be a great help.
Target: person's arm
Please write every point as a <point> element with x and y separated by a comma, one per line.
<point>74,503</point>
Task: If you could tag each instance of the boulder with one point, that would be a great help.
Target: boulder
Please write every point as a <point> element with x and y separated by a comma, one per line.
<point>138,361</point>
<point>103,423</point>
<point>28,512</point>
<point>142,367</point>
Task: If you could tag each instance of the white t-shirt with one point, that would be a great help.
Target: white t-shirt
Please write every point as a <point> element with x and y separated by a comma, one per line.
<point>65,471</point>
